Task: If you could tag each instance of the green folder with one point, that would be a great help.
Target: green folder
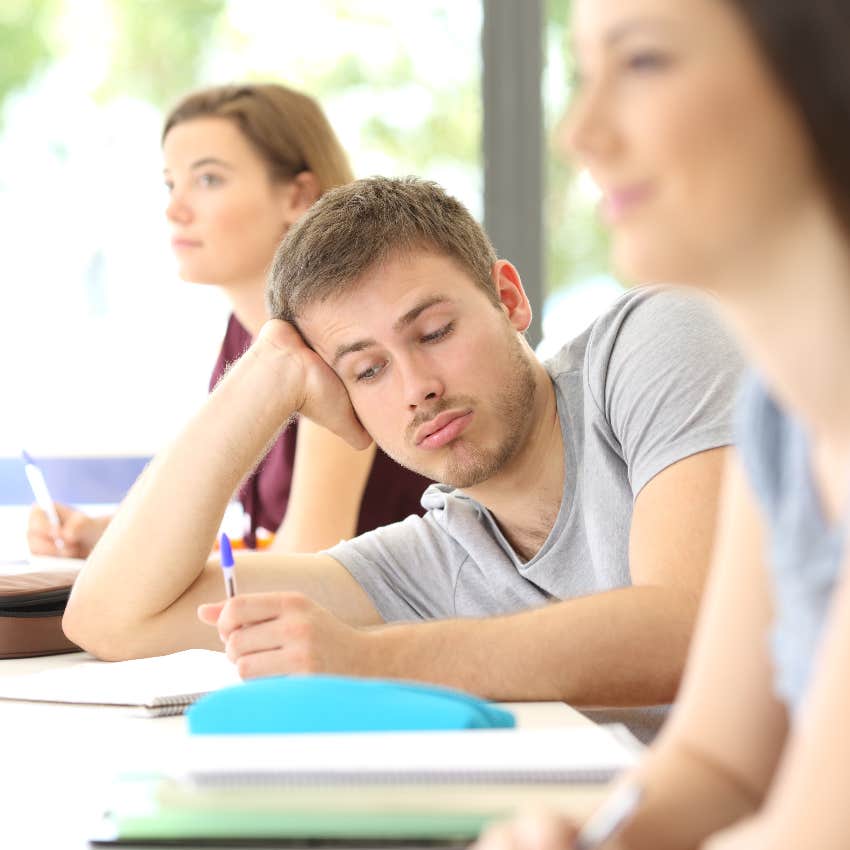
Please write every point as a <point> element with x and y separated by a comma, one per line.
<point>154,809</point>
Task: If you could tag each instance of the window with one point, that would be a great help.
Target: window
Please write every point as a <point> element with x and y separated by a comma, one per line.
<point>579,278</point>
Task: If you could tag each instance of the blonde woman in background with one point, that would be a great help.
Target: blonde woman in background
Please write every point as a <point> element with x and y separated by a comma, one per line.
<point>242,165</point>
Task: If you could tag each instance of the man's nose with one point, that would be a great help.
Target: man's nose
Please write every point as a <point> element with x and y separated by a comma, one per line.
<point>422,385</point>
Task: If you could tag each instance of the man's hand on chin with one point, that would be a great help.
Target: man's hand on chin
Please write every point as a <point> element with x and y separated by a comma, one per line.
<point>322,397</point>
<point>273,634</point>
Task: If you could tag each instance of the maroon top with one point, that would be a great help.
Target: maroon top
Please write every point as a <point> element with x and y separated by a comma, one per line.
<point>392,492</point>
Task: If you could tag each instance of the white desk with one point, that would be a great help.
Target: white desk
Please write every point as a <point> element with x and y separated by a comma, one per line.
<point>57,761</point>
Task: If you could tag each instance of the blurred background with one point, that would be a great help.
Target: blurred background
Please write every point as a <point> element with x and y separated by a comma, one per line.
<point>104,351</point>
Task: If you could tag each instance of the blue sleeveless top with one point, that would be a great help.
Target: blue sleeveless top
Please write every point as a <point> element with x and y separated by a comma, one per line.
<point>804,552</point>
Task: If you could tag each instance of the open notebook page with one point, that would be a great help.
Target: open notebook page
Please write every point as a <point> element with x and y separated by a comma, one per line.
<point>39,564</point>
<point>164,684</point>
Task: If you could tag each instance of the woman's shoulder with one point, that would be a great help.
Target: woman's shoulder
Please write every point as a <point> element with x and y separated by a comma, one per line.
<point>236,342</point>
<point>767,439</point>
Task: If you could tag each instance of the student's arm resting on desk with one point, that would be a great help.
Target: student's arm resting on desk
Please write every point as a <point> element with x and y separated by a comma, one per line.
<point>713,762</point>
<point>328,481</point>
<point>555,652</point>
<point>139,590</point>
<point>562,651</point>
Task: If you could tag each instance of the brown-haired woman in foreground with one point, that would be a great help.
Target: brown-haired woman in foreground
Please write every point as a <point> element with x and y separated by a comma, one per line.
<point>719,131</point>
<point>242,164</point>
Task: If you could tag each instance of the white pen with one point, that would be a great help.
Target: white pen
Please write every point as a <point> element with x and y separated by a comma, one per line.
<point>606,821</point>
<point>42,497</point>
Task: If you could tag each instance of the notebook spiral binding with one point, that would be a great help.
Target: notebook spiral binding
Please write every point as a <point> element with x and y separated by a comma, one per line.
<point>237,779</point>
<point>170,706</point>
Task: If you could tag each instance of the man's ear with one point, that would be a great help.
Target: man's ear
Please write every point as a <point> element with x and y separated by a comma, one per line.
<point>301,193</point>
<point>511,295</point>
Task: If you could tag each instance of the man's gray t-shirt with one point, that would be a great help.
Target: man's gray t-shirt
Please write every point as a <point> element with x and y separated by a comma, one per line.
<point>651,381</point>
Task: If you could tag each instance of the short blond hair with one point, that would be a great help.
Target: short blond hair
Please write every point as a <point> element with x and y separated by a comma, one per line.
<point>357,227</point>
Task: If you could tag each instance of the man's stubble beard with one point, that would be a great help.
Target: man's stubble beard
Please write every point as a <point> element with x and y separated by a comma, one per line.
<point>468,464</point>
<point>512,407</point>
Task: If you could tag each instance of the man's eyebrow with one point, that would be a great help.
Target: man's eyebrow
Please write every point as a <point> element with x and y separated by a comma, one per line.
<point>399,325</point>
<point>351,348</point>
<point>411,315</point>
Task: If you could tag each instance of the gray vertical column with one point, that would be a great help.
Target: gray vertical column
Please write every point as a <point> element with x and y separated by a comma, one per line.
<point>512,52</point>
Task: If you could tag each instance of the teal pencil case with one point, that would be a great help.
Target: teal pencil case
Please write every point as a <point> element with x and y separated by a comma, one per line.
<point>295,704</point>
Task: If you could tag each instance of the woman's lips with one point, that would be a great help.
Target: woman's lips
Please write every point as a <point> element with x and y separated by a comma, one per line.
<point>617,203</point>
<point>183,244</point>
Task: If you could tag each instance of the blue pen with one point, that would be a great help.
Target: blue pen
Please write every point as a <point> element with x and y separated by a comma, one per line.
<point>227,567</point>
<point>42,497</point>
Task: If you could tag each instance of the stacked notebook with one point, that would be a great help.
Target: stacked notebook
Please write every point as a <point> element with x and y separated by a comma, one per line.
<point>366,788</point>
<point>433,787</point>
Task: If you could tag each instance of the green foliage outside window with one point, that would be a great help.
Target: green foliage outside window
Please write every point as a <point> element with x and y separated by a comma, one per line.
<point>577,246</point>
<point>161,48</point>
<point>27,43</point>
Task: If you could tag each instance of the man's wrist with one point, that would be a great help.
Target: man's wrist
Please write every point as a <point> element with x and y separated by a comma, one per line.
<point>269,376</point>
<point>376,650</point>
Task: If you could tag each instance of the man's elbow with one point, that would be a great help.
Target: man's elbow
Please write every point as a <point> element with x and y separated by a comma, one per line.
<point>94,632</point>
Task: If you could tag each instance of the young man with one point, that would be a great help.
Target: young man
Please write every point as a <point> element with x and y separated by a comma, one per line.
<point>562,557</point>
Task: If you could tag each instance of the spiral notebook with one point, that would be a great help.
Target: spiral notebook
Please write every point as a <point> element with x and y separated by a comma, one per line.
<point>156,687</point>
<point>586,753</point>
<point>365,789</point>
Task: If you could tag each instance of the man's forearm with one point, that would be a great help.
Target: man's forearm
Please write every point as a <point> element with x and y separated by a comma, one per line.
<point>625,647</point>
<point>160,540</point>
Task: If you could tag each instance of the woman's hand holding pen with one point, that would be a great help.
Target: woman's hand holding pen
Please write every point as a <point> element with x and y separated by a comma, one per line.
<point>269,634</point>
<point>550,831</point>
<point>530,831</point>
<point>320,394</point>
<point>78,531</point>
<point>756,833</point>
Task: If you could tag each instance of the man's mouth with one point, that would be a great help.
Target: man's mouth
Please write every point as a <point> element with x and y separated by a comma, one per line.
<point>442,429</point>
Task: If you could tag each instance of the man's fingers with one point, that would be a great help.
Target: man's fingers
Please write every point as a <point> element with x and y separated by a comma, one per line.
<point>250,608</point>
<point>268,663</point>
<point>294,634</point>
<point>325,399</point>
<point>281,335</point>
<point>327,404</point>
<point>350,429</point>
<point>210,612</point>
